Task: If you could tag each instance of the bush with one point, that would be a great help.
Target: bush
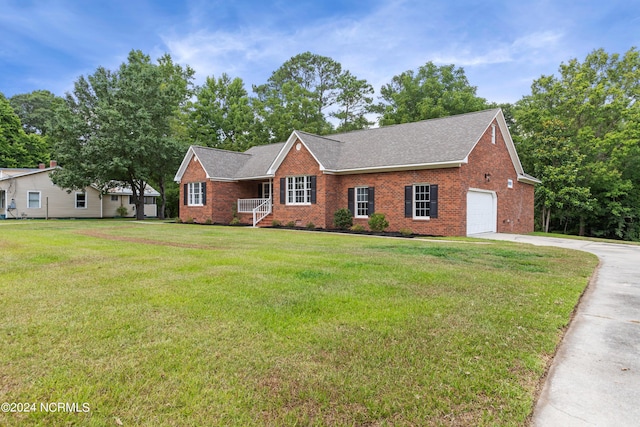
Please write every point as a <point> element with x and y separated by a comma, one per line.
<point>290,224</point>
<point>311,225</point>
<point>406,232</point>
<point>276,223</point>
<point>357,228</point>
<point>377,222</point>
<point>189,220</point>
<point>178,220</point>
<point>122,211</point>
<point>342,219</point>
<point>209,221</point>
<point>235,221</point>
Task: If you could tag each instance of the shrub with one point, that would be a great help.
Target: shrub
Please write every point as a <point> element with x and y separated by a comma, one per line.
<point>377,222</point>
<point>358,228</point>
<point>235,221</point>
<point>189,220</point>
<point>208,221</point>
<point>311,225</point>
<point>343,219</point>
<point>406,232</point>
<point>290,224</point>
<point>178,220</point>
<point>276,223</point>
<point>122,211</point>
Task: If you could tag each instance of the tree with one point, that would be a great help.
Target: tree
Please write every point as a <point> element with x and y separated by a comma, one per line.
<point>594,106</point>
<point>18,149</point>
<point>117,126</point>
<point>296,95</point>
<point>36,110</point>
<point>222,115</point>
<point>429,93</point>
<point>354,100</point>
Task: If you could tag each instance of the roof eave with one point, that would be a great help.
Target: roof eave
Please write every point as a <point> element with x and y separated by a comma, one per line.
<point>395,168</point>
<point>528,180</point>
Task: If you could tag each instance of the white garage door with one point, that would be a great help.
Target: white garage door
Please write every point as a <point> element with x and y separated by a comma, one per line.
<point>481,212</point>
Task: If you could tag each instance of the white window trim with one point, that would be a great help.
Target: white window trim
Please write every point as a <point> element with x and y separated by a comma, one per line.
<point>415,201</point>
<point>493,133</point>
<point>509,183</point>
<point>39,200</point>
<point>291,190</point>
<point>192,193</point>
<point>85,200</point>
<point>355,202</point>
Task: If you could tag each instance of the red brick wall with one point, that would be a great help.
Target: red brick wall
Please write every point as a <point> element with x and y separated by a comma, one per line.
<point>301,162</point>
<point>389,199</point>
<point>515,205</point>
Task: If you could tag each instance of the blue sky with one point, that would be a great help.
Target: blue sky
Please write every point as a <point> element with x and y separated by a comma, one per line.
<point>502,45</point>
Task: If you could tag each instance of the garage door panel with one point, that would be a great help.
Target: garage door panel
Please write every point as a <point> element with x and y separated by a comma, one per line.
<point>481,212</point>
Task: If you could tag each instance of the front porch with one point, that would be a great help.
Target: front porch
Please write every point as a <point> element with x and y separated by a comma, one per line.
<point>259,208</point>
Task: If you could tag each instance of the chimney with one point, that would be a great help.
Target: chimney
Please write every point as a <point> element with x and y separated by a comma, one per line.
<point>53,163</point>
<point>41,166</point>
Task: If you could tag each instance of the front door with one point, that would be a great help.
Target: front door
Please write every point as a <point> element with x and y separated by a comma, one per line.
<point>267,190</point>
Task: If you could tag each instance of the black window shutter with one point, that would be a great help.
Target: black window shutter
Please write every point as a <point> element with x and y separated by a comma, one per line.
<point>312,184</point>
<point>408,201</point>
<point>203,185</point>
<point>186,194</point>
<point>283,190</point>
<point>372,200</point>
<point>260,195</point>
<point>433,201</point>
<point>351,201</point>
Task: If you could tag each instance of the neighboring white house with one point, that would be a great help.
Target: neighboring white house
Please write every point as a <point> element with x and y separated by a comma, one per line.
<point>30,193</point>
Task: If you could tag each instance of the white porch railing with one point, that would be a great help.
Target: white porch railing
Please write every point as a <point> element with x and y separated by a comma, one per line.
<point>248,205</point>
<point>260,208</point>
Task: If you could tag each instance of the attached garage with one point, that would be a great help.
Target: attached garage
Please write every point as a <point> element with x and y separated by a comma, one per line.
<point>482,211</point>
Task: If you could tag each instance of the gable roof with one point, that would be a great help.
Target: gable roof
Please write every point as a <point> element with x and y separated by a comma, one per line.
<point>6,173</point>
<point>435,143</point>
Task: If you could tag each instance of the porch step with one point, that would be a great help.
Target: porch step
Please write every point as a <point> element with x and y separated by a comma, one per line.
<point>266,221</point>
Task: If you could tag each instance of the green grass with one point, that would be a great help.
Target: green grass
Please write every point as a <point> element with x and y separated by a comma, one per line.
<point>170,325</point>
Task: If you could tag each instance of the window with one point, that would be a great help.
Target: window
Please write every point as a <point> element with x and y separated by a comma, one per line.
<point>362,202</point>
<point>148,200</point>
<point>196,193</point>
<point>493,134</point>
<point>509,183</point>
<point>81,200</point>
<point>298,190</point>
<point>114,198</point>
<point>421,201</point>
<point>33,200</point>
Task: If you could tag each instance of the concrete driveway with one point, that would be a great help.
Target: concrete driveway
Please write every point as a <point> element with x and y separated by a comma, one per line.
<point>594,379</point>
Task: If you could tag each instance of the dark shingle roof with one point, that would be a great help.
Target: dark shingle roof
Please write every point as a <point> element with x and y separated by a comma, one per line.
<point>220,163</point>
<point>261,158</point>
<point>446,140</point>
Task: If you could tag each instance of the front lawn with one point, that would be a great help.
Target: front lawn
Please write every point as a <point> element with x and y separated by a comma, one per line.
<point>170,325</point>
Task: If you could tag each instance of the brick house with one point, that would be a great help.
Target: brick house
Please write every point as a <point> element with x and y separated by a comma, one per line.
<point>451,176</point>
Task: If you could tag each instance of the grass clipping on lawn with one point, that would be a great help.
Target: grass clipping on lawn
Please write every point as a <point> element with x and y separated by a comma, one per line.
<point>169,324</point>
